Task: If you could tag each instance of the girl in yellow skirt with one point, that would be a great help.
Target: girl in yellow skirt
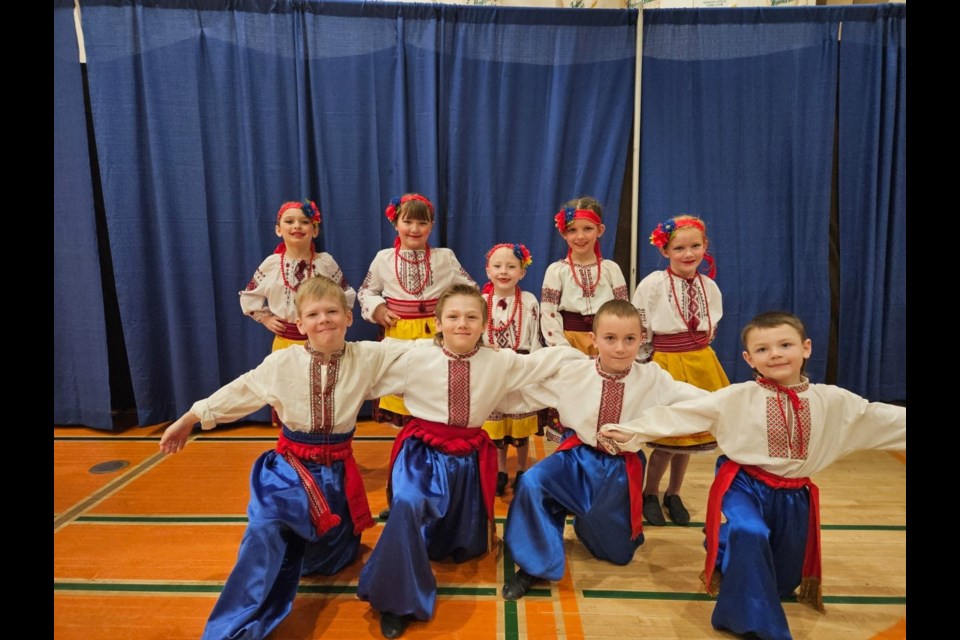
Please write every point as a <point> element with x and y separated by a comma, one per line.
<point>513,322</point>
<point>403,284</point>
<point>269,297</point>
<point>680,307</point>
<point>575,287</point>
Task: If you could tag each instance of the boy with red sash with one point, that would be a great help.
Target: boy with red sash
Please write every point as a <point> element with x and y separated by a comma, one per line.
<point>597,478</point>
<point>776,432</point>
<point>307,504</point>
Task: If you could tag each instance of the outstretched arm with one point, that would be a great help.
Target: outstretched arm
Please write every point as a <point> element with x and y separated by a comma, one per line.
<point>175,436</point>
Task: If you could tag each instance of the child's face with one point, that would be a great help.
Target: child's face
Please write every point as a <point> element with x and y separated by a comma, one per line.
<point>685,251</point>
<point>296,229</point>
<point>324,321</point>
<point>413,233</point>
<point>504,271</point>
<point>618,342</point>
<point>581,235</point>
<point>461,322</point>
<point>777,353</point>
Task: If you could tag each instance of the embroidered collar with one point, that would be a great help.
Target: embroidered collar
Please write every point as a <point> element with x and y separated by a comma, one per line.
<point>460,356</point>
<point>336,355</point>
<point>800,387</point>
<point>613,377</point>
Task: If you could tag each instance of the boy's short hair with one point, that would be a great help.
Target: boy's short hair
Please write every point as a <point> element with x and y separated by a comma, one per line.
<point>619,309</point>
<point>771,319</point>
<point>586,202</point>
<point>319,287</point>
<point>460,289</point>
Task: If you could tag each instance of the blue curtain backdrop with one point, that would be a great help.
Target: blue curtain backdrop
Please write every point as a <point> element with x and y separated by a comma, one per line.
<point>872,199</point>
<point>737,128</point>
<point>210,114</point>
<point>80,373</point>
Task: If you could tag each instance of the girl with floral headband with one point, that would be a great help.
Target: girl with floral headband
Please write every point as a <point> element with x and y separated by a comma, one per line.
<point>271,293</point>
<point>576,286</point>
<point>513,322</point>
<point>680,307</point>
<point>403,284</point>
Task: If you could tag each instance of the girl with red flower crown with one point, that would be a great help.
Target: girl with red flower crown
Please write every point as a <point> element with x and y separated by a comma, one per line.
<point>402,286</point>
<point>576,286</point>
<point>270,295</point>
<point>680,307</point>
<point>513,322</point>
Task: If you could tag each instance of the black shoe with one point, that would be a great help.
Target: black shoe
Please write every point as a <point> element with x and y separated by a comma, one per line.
<point>385,513</point>
<point>517,586</point>
<point>652,512</point>
<point>501,482</point>
<point>516,479</point>
<point>675,509</point>
<point>392,625</point>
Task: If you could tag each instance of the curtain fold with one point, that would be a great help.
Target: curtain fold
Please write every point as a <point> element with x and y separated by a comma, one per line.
<point>738,115</point>
<point>210,114</point>
<point>81,377</point>
<point>872,203</point>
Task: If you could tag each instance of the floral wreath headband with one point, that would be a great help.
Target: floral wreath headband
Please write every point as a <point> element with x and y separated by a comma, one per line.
<point>567,215</point>
<point>520,251</point>
<point>394,206</point>
<point>664,232</point>
<point>313,214</point>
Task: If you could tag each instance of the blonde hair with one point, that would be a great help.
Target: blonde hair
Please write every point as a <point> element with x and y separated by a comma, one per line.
<point>458,290</point>
<point>319,287</point>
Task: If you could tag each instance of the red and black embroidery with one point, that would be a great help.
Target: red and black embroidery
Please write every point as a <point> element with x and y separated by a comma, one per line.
<point>458,388</point>
<point>322,407</point>
<point>550,296</point>
<point>611,396</point>
<point>788,425</point>
<point>620,293</point>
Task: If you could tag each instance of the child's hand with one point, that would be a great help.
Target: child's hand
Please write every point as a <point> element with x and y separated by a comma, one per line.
<point>615,434</point>
<point>175,436</point>
<point>608,444</point>
<point>274,324</point>
<point>384,317</point>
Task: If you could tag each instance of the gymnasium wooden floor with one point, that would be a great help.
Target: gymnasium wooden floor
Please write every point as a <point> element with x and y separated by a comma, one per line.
<point>143,551</point>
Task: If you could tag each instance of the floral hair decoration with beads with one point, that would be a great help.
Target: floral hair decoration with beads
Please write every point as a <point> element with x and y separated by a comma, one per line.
<point>519,251</point>
<point>309,208</point>
<point>567,215</point>
<point>663,233</point>
<point>393,207</point>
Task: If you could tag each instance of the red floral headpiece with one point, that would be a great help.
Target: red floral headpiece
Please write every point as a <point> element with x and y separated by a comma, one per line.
<point>568,214</point>
<point>664,232</point>
<point>520,251</point>
<point>309,208</point>
<point>393,207</point>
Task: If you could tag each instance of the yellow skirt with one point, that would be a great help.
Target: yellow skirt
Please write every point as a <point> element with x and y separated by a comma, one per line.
<point>404,330</point>
<point>702,369</point>
<point>515,428</point>
<point>580,340</point>
<point>283,343</point>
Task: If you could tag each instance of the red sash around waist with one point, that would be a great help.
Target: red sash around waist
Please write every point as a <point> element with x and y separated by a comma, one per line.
<point>455,441</point>
<point>412,309</point>
<point>681,342</point>
<point>811,575</point>
<point>296,453</point>
<point>573,321</point>
<point>290,331</point>
<point>634,482</point>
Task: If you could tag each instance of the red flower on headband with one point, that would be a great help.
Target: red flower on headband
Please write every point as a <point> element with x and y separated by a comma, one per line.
<point>393,207</point>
